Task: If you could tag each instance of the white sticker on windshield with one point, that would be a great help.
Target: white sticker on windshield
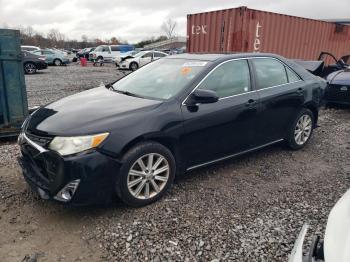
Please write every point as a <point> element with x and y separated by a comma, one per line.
<point>194,64</point>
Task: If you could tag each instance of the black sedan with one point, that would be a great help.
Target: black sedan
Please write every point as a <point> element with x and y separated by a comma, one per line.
<point>173,115</point>
<point>33,62</point>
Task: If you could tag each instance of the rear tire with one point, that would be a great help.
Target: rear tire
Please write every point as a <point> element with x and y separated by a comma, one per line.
<point>141,184</point>
<point>301,130</point>
<point>30,68</point>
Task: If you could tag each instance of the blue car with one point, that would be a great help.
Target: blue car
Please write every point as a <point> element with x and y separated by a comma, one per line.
<point>53,57</point>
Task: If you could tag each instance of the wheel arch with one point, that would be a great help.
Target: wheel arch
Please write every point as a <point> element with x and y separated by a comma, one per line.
<point>134,62</point>
<point>170,143</point>
<point>314,109</point>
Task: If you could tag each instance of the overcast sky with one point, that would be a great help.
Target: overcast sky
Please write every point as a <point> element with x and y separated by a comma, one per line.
<point>134,20</point>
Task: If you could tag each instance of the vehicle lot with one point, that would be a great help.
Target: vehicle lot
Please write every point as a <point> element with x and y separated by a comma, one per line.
<point>247,209</point>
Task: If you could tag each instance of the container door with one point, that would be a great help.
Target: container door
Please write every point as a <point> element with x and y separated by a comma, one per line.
<point>13,97</point>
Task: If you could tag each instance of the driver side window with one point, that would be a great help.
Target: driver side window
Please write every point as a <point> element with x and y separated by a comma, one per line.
<point>230,78</point>
<point>148,55</point>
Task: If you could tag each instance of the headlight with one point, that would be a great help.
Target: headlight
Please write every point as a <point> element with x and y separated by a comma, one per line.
<point>72,145</point>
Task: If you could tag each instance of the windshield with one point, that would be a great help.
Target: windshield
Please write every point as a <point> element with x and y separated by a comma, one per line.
<point>141,53</point>
<point>161,79</point>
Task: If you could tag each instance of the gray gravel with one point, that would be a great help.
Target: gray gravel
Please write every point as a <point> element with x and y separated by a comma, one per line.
<point>247,209</point>
<point>56,82</point>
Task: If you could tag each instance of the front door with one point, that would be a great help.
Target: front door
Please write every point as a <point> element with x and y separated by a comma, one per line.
<point>224,128</point>
<point>146,58</point>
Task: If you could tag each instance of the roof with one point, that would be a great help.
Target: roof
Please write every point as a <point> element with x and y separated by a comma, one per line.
<point>223,56</point>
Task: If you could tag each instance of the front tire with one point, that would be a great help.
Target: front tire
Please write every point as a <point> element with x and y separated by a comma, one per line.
<point>301,130</point>
<point>30,68</point>
<point>147,172</point>
<point>134,66</point>
<point>57,62</point>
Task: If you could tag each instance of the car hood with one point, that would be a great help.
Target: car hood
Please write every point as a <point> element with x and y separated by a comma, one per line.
<point>337,237</point>
<point>92,111</point>
<point>341,77</point>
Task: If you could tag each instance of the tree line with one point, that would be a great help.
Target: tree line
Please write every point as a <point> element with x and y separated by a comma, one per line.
<point>54,38</point>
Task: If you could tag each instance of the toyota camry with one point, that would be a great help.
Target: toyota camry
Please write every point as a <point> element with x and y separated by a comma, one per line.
<point>132,137</point>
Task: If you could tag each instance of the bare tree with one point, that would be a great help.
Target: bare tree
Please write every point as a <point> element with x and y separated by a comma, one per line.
<point>169,27</point>
<point>84,40</point>
<point>114,40</point>
<point>29,31</point>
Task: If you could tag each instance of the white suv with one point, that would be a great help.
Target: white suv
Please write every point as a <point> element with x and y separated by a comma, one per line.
<point>106,53</point>
<point>29,48</point>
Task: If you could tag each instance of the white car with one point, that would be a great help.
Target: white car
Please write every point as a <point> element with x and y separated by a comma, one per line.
<point>106,53</point>
<point>336,244</point>
<point>140,59</point>
<point>118,59</point>
<point>29,48</point>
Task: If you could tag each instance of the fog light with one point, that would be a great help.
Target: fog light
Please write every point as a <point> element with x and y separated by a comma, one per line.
<point>68,191</point>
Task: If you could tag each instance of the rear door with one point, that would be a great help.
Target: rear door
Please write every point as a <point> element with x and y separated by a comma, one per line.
<point>282,94</point>
<point>158,55</point>
<point>227,127</point>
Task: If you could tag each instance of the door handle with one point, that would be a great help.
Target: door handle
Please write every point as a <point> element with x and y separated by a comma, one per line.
<point>251,103</point>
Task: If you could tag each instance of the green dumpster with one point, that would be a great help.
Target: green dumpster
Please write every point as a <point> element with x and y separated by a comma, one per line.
<point>13,96</point>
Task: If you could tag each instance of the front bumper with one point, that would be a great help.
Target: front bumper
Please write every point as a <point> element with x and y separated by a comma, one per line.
<point>48,173</point>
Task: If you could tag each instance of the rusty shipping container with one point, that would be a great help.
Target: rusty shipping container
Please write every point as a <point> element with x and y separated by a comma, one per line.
<point>246,30</point>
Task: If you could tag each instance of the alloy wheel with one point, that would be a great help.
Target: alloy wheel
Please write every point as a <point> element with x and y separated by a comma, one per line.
<point>303,129</point>
<point>134,66</point>
<point>57,62</point>
<point>148,176</point>
<point>30,68</point>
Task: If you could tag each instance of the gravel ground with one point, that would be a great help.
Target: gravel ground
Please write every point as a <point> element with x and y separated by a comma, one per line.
<point>57,82</point>
<point>247,209</point>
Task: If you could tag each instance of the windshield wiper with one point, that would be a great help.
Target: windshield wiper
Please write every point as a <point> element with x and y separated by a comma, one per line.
<point>126,93</point>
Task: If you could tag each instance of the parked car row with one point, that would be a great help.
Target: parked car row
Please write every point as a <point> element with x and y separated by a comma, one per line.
<point>35,58</point>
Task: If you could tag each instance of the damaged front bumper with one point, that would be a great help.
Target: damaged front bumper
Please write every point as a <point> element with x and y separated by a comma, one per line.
<point>81,179</point>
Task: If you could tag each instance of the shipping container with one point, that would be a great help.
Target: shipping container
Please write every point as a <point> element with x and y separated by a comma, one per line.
<point>13,96</point>
<point>246,30</point>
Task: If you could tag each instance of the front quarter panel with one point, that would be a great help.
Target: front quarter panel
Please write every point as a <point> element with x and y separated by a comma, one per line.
<point>165,121</point>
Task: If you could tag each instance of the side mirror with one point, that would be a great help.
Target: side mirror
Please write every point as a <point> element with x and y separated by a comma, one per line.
<point>202,96</point>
